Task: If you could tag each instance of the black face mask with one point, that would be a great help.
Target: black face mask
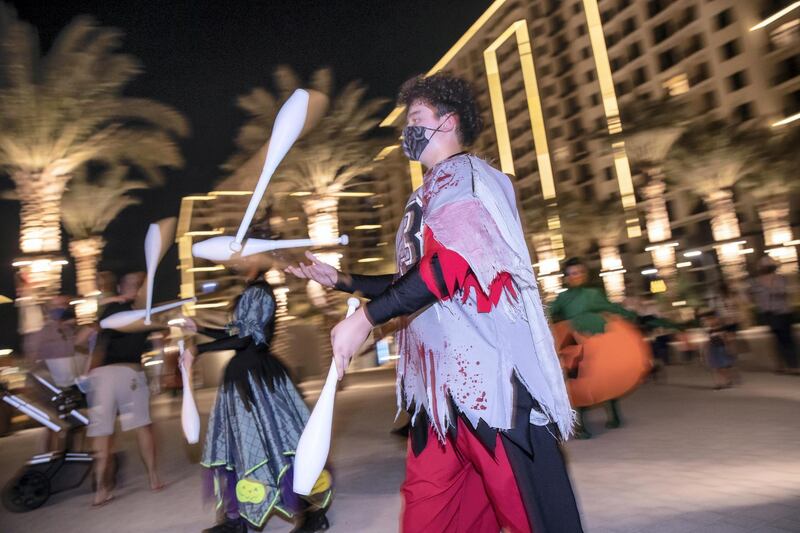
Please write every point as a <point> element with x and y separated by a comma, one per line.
<point>415,142</point>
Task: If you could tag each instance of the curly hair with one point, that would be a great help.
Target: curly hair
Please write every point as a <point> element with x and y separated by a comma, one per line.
<point>448,94</point>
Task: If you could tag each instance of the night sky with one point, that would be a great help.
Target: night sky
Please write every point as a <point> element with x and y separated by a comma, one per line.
<point>199,56</point>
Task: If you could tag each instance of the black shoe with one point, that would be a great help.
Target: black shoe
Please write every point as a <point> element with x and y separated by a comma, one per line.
<point>312,521</point>
<point>614,423</point>
<point>230,525</point>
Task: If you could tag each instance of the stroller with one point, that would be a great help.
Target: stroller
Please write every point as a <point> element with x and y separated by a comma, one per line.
<point>53,472</point>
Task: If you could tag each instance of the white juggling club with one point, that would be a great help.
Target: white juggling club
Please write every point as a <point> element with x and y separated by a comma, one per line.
<point>152,250</point>
<point>315,442</point>
<point>133,320</point>
<point>190,418</point>
<point>288,125</point>
<point>220,248</point>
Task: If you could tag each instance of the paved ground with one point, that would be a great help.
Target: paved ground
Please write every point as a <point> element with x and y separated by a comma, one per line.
<point>689,459</point>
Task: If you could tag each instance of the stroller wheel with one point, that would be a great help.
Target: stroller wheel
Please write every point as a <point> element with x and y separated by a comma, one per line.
<point>26,492</point>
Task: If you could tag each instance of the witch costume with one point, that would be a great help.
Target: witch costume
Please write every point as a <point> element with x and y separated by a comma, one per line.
<point>255,425</point>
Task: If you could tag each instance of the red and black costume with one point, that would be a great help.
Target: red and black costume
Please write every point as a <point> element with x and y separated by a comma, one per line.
<point>478,371</point>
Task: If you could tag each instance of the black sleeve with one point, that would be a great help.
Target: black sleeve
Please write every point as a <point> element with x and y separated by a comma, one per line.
<point>232,342</point>
<point>369,286</point>
<point>405,296</point>
<point>214,333</point>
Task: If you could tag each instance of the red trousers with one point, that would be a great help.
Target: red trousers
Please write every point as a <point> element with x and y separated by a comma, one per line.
<point>461,487</point>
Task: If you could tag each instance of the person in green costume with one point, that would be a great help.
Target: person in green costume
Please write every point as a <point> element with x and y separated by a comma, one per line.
<point>583,306</point>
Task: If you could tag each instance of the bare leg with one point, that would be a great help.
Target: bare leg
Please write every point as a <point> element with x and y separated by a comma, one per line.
<point>102,460</point>
<point>147,449</point>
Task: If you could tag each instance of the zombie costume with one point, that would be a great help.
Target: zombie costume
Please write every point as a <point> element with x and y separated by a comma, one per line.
<point>478,371</point>
<point>257,419</point>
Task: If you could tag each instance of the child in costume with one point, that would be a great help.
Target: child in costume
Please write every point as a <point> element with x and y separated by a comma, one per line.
<point>255,425</point>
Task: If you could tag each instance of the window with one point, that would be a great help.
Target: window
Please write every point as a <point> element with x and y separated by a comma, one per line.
<point>640,76</point>
<point>634,51</point>
<point>595,99</point>
<point>724,19</point>
<point>654,7</point>
<point>791,103</point>
<point>629,26</point>
<point>609,174</point>
<point>581,29</point>
<point>545,70</point>
<point>586,53</point>
<point>622,4</point>
<point>576,8</point>
<point>616,64</point>
<point>787,69</point>
<point>737,80</point>
<point>743,112</point>
<point>590,76</point>
<point>730,49</point>
<point>541,50</point>
<point>599,124</point>
<point>661,32</point>
<point>700,73</point>
<point>621,88</point>
<point>696,44</point>
<point>552,111</point>
<point>571,107</point>
<point>689,15</point>
<point>667,59</point>
<point>550,90</point>
<point>710,101</point>
<point>584,173</point>
<point>557,132</point>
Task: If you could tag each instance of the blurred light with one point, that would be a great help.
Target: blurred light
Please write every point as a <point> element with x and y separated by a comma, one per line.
<point>94,293</point>
<point>661,245</point>
<point>353,194</point>
<point>657,286</point>
<point>60,262</point>
<point>209,286</point>
<point>176,322</point>
<point>199,233</point>
<point>679,303</point>
<point>214,268</point>
<point>368,226</point>
<point>370,259</point>
<point>300,193</point>
<point>77,302</point>
<point>787,120</point>
<point>792,243</point>
<point>382,243</point>
<point>612,272</point>
<point>21,263</point>
<point>772,18</point>
<point>292,219</point>
<point>692,253</point>
<point>6,351</point>
<point>154,362</point>
<point>649,271</point>
<point>377,206</point>
<point>211,305</point>
<point>5,299</point>
<point>199,197</point>
<point>677,85</point>
<point>560,290</point>
<point>684,264</point>
<point>386,151</point>
<point>746,251</point>
<point>230,193</point>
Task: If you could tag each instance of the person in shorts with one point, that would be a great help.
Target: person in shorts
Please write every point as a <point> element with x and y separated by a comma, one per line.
<point>119,387</point>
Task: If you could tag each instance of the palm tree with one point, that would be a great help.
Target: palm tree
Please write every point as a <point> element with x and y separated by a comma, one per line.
<point>708,160</point>
<point>586,224</point>
<point>87,208</point>
<point>64,109</point>
<point>650,129</point>
<point>770,184</point>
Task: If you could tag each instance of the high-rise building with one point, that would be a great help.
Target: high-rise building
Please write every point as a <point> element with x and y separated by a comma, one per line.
<point>552,76</point>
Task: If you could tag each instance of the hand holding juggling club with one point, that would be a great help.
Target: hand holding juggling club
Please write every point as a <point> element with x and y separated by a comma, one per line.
<point>315,442</point>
